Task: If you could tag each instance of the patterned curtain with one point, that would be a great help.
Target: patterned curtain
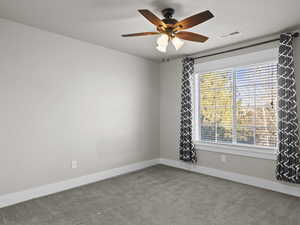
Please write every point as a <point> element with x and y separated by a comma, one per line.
<point>186,148</point>
<point>288,162</point>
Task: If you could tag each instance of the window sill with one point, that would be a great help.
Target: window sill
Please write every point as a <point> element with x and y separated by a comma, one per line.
<point>254,152</point>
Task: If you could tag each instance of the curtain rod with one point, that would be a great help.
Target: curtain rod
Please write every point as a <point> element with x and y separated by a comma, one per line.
<point>244,47</point>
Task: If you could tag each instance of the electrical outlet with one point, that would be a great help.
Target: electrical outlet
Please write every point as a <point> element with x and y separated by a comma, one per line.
<point>223,158</point>
<point>74,164</point>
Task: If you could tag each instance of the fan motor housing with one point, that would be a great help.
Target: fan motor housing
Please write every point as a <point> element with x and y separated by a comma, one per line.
<point>169,21</point>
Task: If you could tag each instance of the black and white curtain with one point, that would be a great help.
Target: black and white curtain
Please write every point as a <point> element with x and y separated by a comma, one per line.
<point>187,148</point>
<point>288,163</point>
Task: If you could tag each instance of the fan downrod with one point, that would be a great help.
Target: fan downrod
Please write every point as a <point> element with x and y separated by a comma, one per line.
<point>168,13</point>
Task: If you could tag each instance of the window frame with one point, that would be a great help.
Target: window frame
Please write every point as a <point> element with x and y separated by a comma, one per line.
<point>231,63</point>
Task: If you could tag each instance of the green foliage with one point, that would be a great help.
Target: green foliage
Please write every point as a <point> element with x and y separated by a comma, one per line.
<point>254,123</point>
<point>216,99</point>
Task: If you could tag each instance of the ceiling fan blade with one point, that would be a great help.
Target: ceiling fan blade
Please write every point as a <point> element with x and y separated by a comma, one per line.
<point>140,34</point>
<point>152,18</point>
<point>189,36</point>
<point>193,20</point>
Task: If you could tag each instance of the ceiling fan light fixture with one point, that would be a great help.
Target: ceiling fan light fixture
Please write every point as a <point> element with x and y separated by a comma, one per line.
<point>163,40</point>
<point>171,29</point>
<point>177,42</point>
<point>162,48</point>
<point>162,43</point>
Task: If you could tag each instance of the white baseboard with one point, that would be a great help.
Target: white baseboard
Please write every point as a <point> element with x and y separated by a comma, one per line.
<point>236,177</point>
<point>17,197</point>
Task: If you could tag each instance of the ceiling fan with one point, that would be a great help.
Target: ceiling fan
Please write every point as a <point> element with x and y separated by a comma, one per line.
<point>171,29</point>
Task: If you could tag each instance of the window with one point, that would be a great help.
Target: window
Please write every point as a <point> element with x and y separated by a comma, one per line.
<point>237,105</point>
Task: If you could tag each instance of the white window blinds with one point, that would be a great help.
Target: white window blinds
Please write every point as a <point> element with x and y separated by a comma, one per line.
<point>238,105</point>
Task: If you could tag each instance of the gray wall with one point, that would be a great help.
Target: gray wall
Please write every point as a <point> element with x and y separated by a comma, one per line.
<point>169,121</point>
<point>63,99</point>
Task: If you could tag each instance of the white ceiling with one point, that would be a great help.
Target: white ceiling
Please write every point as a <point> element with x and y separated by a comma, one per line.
<point>103,21</point>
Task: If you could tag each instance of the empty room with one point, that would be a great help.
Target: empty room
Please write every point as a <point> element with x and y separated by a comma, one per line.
<point>149,112</point>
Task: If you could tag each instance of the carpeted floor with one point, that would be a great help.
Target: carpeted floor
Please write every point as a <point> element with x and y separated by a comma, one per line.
<point>158,195</point>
